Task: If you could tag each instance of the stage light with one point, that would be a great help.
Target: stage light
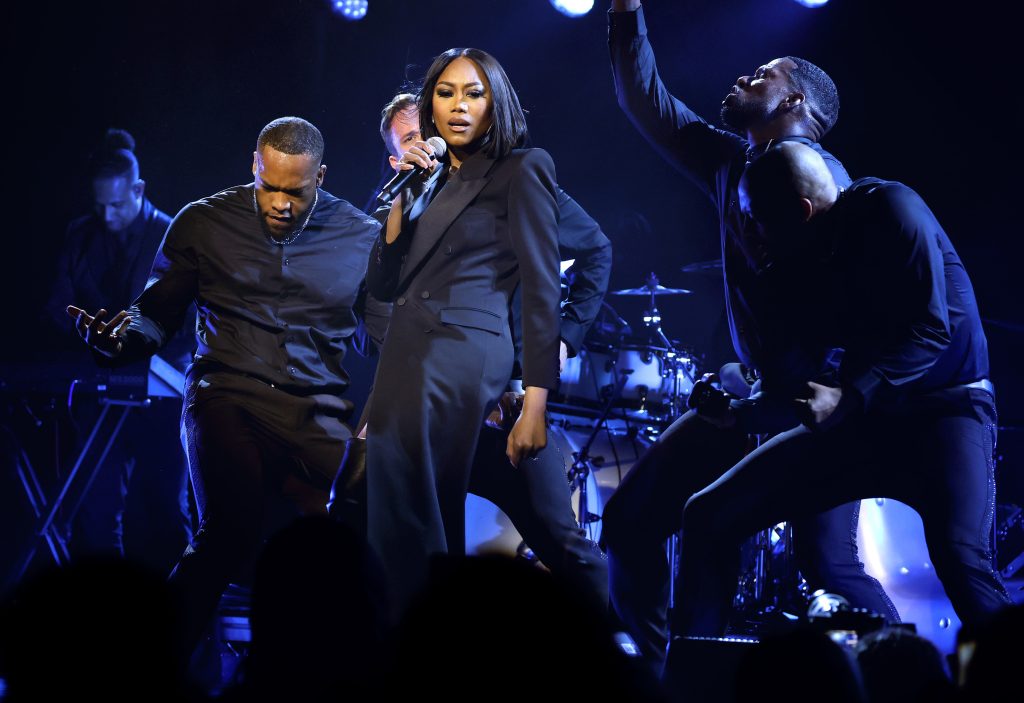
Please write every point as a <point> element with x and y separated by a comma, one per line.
<point>573,8</point>
<point>812,3</point>
<point>351,10</point>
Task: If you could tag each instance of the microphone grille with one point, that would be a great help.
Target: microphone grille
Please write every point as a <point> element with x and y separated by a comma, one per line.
<point>440,147</point>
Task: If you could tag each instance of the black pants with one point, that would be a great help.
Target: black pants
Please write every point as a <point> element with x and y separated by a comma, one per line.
<point>935,454</point>
<point>648,508</point>
<point>536,498</point>
<point>434,387</point>
<point>258,457</point>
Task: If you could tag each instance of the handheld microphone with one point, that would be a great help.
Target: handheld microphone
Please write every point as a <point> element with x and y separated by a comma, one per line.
<point>395,185</point>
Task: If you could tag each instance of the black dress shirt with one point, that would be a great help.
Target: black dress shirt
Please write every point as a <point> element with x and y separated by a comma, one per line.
<point>883,282</point>
<point>283,314</point>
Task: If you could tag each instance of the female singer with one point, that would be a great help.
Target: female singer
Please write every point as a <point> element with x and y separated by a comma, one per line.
<point>454,248</point>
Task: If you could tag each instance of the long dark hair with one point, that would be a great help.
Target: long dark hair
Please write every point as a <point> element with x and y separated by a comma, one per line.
<point>508,121</point>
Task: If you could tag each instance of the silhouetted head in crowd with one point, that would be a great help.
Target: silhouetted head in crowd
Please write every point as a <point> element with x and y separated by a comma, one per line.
<point>899,666</point>
<point>491,628</point>
<point>318,613</point>
<point>801,665</point>
<point>990,655</point>
<point>97,630</point>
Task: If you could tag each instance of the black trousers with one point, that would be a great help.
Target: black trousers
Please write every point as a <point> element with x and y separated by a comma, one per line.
<point>935,454</point>
<point>258,457</point>
<point>434,387</point>
<point>648,508</point>
<point>537,499</point>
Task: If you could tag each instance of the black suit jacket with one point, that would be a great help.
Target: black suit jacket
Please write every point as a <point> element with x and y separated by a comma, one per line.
<point>579,238</point>
<point>469,241</point>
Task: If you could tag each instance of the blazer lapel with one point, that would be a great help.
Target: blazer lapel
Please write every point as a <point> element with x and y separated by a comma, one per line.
<point>432,222</point>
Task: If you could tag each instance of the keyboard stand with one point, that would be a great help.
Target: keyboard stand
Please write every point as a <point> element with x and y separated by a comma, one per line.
<point>161,380</point>
<point>101,433</point>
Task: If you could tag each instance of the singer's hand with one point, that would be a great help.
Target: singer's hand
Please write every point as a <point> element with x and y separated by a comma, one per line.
<point>420,154</point>
<point>104,337</point>
<point>530,433</point>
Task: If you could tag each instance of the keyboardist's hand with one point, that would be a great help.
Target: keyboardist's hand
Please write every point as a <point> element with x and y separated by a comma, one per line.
<point>101,335</point>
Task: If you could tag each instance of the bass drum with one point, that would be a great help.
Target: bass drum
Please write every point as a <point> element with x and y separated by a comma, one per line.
<point>656,384</point>
<point>615,449</point>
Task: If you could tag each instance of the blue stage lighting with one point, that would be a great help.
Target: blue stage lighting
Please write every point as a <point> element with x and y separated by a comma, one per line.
<point>812,3</point>
<point>350,9</point>
<point>573,8</point>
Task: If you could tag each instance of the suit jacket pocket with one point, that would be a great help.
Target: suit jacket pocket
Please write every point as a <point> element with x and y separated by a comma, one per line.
<point>473,317</point>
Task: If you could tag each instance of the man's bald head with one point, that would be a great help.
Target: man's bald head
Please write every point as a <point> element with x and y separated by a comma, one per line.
<point>787,186</point>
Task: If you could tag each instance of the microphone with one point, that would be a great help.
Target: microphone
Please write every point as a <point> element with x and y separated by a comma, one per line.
<point>395,185</point>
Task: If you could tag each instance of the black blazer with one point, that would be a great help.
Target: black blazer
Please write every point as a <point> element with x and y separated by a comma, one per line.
<point>468,240</point>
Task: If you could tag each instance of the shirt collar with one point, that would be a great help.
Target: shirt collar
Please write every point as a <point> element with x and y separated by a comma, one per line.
<point>757,150</point>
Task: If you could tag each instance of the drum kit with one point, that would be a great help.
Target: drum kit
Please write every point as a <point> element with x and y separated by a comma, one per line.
<point>630,388</point>
<point>647,379</point>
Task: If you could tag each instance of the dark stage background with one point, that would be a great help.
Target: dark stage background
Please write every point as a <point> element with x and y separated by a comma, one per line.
<point>929,96</point>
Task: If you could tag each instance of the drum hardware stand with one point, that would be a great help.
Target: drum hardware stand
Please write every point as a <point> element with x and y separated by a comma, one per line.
<point>652,317</point>
<point>673,360</point>
<point>581,467</point>
<point>770,586</point>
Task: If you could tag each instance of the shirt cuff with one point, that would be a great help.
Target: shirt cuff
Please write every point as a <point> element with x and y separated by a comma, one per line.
<point>626,25</point>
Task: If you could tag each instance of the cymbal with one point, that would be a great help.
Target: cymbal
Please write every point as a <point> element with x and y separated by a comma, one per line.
<point>651,290</point>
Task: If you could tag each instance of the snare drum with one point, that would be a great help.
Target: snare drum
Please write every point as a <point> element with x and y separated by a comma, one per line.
<point>613,453</point>
<point>657,381</point>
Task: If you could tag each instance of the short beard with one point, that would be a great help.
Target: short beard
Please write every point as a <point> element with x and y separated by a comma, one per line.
<point>279,237</point>
<point>740,118</point>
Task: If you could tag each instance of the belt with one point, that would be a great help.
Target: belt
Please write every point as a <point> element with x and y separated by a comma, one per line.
<point>983,385</point>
